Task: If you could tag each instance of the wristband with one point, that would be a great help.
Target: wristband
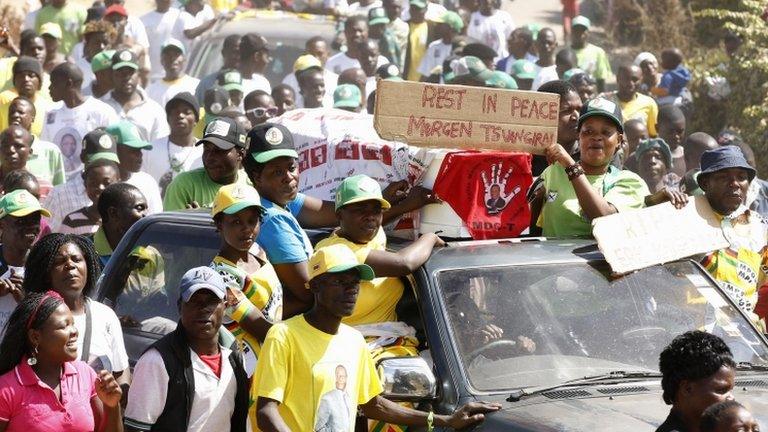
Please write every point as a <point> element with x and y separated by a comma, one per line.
<point>430,421</point>
<point>574,171</point>
<point>243,308</point>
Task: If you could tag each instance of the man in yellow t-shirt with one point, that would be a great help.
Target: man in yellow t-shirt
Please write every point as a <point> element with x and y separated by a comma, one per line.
<point>418,39</point>
<point>633,104</point>
<point>27,81</point>
<point>315,371</point>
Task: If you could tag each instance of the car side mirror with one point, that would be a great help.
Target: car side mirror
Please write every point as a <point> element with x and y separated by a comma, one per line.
<point>407,379</point>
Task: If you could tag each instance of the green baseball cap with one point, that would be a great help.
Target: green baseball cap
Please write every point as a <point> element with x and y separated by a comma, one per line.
<point>581,20</point>
<point>604,108</point>
<point>102,61</point>
<point>230,79</point>
<point>347,96</point>
<point>523,69</point>
<point>174,43</point>
<point>357,189</point>
<point>125,133</point>
<point>501,80</point>
<point>470,66</point>
<point>98,144</point>
<point>124,58</point>
<point>418,3</point>
<point>452,19</point>
<point>377,15</point>
<point>20,203</point>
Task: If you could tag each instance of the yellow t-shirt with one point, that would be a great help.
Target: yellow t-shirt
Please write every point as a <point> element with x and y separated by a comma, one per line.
<point>41,108</point>
<point>418,40</point>
<point>378,298</point>
<point>643,108</point>
<point>264,290</point>
<point>319,379</point>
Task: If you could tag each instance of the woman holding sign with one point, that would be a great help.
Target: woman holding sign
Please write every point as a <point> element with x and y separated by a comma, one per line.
<point>575,193</point>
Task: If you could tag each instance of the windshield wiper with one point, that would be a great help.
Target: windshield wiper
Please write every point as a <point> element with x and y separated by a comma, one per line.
<point>613,375</point>
<point>742,366</point>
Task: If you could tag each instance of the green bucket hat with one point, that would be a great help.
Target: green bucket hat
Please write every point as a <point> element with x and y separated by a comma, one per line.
<point>357,189</point>
<point>452,19</point>
<point>20,203</point>
<point>523,69</point>
<point>346,96</point>
<point>377,15</point>
<point>125,133</point>
<point>470,66</point>
<point>658,144</point>
<point>501,80</point>
<point>102,61</point>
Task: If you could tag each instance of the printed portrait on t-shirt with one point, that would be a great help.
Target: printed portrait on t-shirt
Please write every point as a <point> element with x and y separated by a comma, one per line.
<point>68,140</point>
<point>334,410</point>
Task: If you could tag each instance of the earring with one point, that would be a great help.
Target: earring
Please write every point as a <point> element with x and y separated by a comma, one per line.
<point>32,359</point>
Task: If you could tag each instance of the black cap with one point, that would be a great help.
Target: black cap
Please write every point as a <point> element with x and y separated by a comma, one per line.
<point>215,100</point>
<point>98,144</point>
<point>251,43</point>
<point>225,133</point>
<point>28,64</point>
<point>125,58</point>
<point>268,141</point>
<point>601,107</point>
<point>389,70</point>
<point>187,98</point>
<point>481,51</point>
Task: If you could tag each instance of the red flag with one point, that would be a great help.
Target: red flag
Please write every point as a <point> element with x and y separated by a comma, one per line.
<point>487,190</point>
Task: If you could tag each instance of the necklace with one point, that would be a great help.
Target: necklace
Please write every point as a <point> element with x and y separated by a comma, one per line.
<point>176,167</point>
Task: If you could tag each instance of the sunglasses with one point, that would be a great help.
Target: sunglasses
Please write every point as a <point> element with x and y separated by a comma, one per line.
<point>262,112</point>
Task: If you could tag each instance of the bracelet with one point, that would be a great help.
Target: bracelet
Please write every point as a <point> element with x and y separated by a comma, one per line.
<point>430,421</point>
<point>243,308</point>
<point>573,171</point>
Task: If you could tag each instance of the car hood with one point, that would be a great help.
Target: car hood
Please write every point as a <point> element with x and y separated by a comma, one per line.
<point>618,412</point>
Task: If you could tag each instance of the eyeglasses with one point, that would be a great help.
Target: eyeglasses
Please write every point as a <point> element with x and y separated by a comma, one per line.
<point>262,112</point>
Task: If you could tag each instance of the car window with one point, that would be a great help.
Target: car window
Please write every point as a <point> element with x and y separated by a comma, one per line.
<point>523,326</point>
<point>145,293</point>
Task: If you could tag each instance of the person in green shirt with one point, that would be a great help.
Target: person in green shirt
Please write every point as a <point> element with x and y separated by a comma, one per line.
<point>575,193</point>
<point>69,16</point>
<point>223,150</point>
<point>592,58</point>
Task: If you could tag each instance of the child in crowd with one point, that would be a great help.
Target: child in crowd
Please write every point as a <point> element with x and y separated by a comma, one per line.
<point>675,78</point>
<point>634,131</point>
<point>728,416</point>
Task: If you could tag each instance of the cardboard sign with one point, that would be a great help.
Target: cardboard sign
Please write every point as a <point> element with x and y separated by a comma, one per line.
<point>462,117</point>
<point>637,239</point>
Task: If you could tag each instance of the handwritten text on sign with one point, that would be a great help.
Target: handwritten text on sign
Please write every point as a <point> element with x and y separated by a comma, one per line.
<point>450,116</point>
<point>641,238</point>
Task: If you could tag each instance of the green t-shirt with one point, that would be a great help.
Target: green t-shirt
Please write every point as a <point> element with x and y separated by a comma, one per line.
<point>561,215</point>
<point>593,60</point>
<point>46,163</point>
<point>71,19</point>
<point>196,186</point>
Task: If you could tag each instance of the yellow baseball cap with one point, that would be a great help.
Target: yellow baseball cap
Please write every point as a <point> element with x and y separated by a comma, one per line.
<point>306,61</point>
<point>337,258</point>
<point>20,203</point>
<point>51,29</point>
<point>232,198</point>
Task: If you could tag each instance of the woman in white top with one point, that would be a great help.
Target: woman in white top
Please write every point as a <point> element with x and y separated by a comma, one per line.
<point>69,265</point>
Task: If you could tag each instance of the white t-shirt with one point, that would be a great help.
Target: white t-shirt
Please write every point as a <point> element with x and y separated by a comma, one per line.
<point>66,128</point>
<point>330,78</point>
<point>7,302</point>
<point>437,52</point>
<point>167,159</point>
<point>187,21</point>
<point>148,186</point>
<point>159,27</point>
<point>85,67</point>
<point>545,75</point>
<point>107,346</point>
<point>148,116</point>
<point>492,30</point>
<point>340,62</point>
<point>212,404</point>
<point>256,82</point>
<point>161,91</point>
<point>134,29</point>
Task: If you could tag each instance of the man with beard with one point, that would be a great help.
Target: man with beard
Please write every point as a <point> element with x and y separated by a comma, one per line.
<point>224,146</point>
<point>131,102</point>
<point>20,214</point>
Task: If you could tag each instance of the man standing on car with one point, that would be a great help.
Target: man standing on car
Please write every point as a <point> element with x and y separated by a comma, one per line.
<point>315,350</point>
<point>193,378</point>
<point>223,150</point>
<point>739,269</point>
<point>272,166</point>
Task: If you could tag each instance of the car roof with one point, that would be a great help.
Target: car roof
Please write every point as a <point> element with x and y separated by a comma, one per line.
<point>275,25</point>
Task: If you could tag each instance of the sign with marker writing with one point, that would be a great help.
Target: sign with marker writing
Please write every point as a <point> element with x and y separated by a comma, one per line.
<point>654,235</point>
<point>462,117</point>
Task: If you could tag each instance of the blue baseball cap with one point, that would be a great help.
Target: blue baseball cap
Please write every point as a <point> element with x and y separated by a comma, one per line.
<point>722,158</point>
<point>201,278</point>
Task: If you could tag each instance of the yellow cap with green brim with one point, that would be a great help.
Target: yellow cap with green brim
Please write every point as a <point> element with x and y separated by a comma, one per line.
<point>20,203</point>
<point>337,258</point>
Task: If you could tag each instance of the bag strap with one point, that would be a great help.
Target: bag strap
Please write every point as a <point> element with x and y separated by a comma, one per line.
<point>88,330</point>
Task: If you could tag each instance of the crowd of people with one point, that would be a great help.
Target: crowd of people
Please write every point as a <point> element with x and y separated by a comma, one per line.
<point>101,126</point>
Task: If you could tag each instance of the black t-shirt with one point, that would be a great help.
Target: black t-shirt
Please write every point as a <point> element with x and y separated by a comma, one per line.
<point>673,423</point>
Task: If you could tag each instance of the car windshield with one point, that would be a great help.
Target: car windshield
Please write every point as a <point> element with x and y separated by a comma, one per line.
<point>541,325</point>
<point>144,290</point>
